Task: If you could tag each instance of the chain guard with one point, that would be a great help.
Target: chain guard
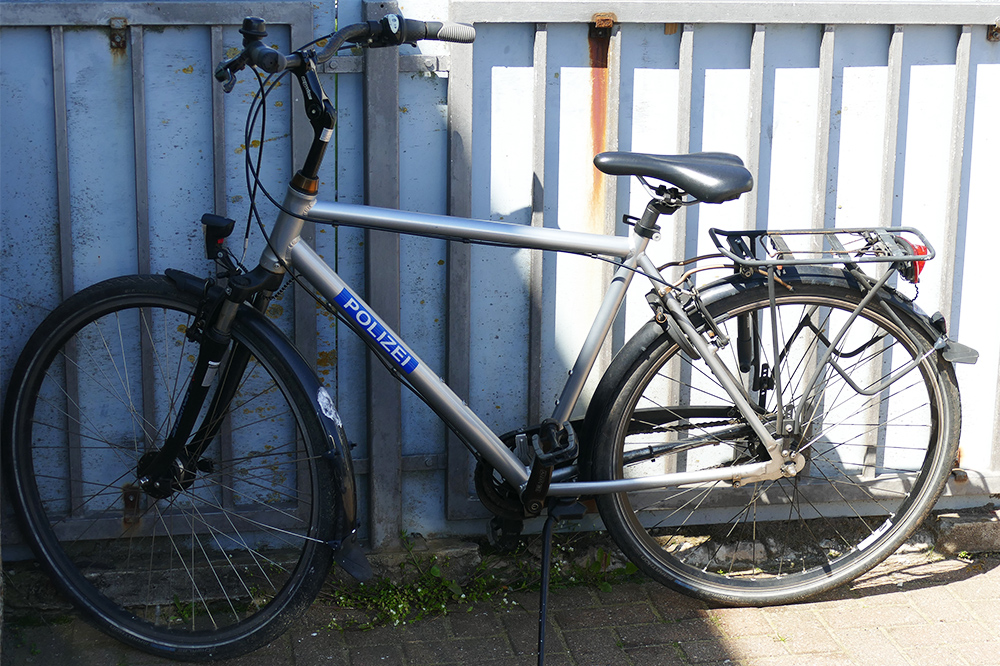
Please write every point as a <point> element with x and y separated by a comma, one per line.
<point>499,497</point>
<point>501,500</point>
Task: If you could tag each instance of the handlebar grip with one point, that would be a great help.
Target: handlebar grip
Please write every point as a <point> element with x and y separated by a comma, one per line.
<point>459,33</point>
<point>266,58</point>
<point>446,31</point>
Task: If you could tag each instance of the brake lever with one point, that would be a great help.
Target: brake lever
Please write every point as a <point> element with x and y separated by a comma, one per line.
<point>225,72</point>
<point>229,83</point>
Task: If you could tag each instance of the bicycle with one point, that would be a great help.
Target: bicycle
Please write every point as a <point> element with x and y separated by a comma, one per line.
<point>186,479</point>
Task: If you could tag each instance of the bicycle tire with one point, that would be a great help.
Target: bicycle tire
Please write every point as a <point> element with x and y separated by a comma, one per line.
<point>218,568</point>
<point>867,485</point>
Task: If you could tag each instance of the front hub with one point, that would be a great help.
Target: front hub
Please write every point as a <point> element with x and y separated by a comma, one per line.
<point>175,479</point>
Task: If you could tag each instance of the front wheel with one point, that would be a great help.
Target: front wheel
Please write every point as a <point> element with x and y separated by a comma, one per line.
<point>222,563</point>
<point>874,464</point>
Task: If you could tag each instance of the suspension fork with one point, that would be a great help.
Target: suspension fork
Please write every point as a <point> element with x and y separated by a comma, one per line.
<point>159,470</point>
<point>231,373</point>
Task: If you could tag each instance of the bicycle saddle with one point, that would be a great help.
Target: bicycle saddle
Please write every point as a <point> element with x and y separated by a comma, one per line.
<point>708,177</point>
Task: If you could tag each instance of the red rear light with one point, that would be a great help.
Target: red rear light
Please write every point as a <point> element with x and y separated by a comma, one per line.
<point>910,270</point>
<point>918,266</point>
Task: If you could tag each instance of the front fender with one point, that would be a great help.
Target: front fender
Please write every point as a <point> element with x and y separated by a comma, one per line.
<point>343,538</point>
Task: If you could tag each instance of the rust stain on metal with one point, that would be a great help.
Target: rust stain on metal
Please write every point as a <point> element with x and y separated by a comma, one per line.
<point>600,42</point>
<point>671,28</point>
<point>604,19</point>
<point>993,32</point>
<point>118,37</point>
<point>959,474</point>
<point>130,501</point>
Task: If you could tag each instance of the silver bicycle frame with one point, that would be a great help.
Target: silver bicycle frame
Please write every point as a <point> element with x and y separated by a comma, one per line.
<point>287,249</point>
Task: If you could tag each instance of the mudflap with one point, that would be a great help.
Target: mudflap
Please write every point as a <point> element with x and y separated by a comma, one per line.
<point>347,552</point>
<point>353,560</point>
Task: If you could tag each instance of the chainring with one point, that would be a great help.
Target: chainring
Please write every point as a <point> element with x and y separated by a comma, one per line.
<point>496,495</point>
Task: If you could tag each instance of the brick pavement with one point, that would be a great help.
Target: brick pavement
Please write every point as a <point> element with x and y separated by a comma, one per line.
<point>912,611</point>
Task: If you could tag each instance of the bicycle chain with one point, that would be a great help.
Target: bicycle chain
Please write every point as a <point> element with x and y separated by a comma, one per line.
<point>692,426</point>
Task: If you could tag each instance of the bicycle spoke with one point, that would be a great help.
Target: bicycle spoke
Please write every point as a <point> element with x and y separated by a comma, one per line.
<point>229,541</point>
<point>863,457</point>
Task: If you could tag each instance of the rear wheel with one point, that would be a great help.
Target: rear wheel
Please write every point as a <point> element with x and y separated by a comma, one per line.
<point>874,464</point>
<point>224,562</point>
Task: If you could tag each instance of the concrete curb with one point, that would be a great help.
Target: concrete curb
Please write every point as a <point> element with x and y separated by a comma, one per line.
<point>968,530</point>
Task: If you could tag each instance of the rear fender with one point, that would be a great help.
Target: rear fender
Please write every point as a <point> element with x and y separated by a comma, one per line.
<point>934,326</point>
<point>636,347</point>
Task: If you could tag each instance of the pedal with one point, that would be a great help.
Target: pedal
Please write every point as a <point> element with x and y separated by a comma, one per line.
<point>561,440</point>
<point>504,534</point>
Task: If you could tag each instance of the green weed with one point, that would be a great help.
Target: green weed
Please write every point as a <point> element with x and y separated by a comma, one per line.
<point>425,590</point>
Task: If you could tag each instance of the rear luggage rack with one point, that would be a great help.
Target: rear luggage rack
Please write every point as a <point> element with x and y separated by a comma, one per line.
<point>823,246</point>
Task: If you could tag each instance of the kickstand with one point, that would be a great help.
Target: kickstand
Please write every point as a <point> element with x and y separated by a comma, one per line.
<point>560,509</point>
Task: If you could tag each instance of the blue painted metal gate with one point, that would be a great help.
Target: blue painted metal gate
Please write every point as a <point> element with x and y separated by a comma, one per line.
<point>115,140</point>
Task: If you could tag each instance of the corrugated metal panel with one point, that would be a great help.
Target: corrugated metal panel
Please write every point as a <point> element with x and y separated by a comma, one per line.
<point>845,120</point>
<point>112,148</point>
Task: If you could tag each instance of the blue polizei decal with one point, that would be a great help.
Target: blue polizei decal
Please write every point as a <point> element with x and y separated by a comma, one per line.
<point>396,351</point>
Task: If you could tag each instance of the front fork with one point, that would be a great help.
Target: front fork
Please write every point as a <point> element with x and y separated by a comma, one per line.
<point>174,466</point>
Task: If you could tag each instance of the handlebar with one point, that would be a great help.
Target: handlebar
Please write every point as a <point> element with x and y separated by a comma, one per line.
<point>392,30</point>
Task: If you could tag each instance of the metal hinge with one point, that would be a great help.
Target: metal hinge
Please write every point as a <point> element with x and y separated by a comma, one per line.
<point>601,24</point>
<point>119,33</point>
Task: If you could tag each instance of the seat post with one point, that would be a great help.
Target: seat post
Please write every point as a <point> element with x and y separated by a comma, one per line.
<point>646,226</point>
